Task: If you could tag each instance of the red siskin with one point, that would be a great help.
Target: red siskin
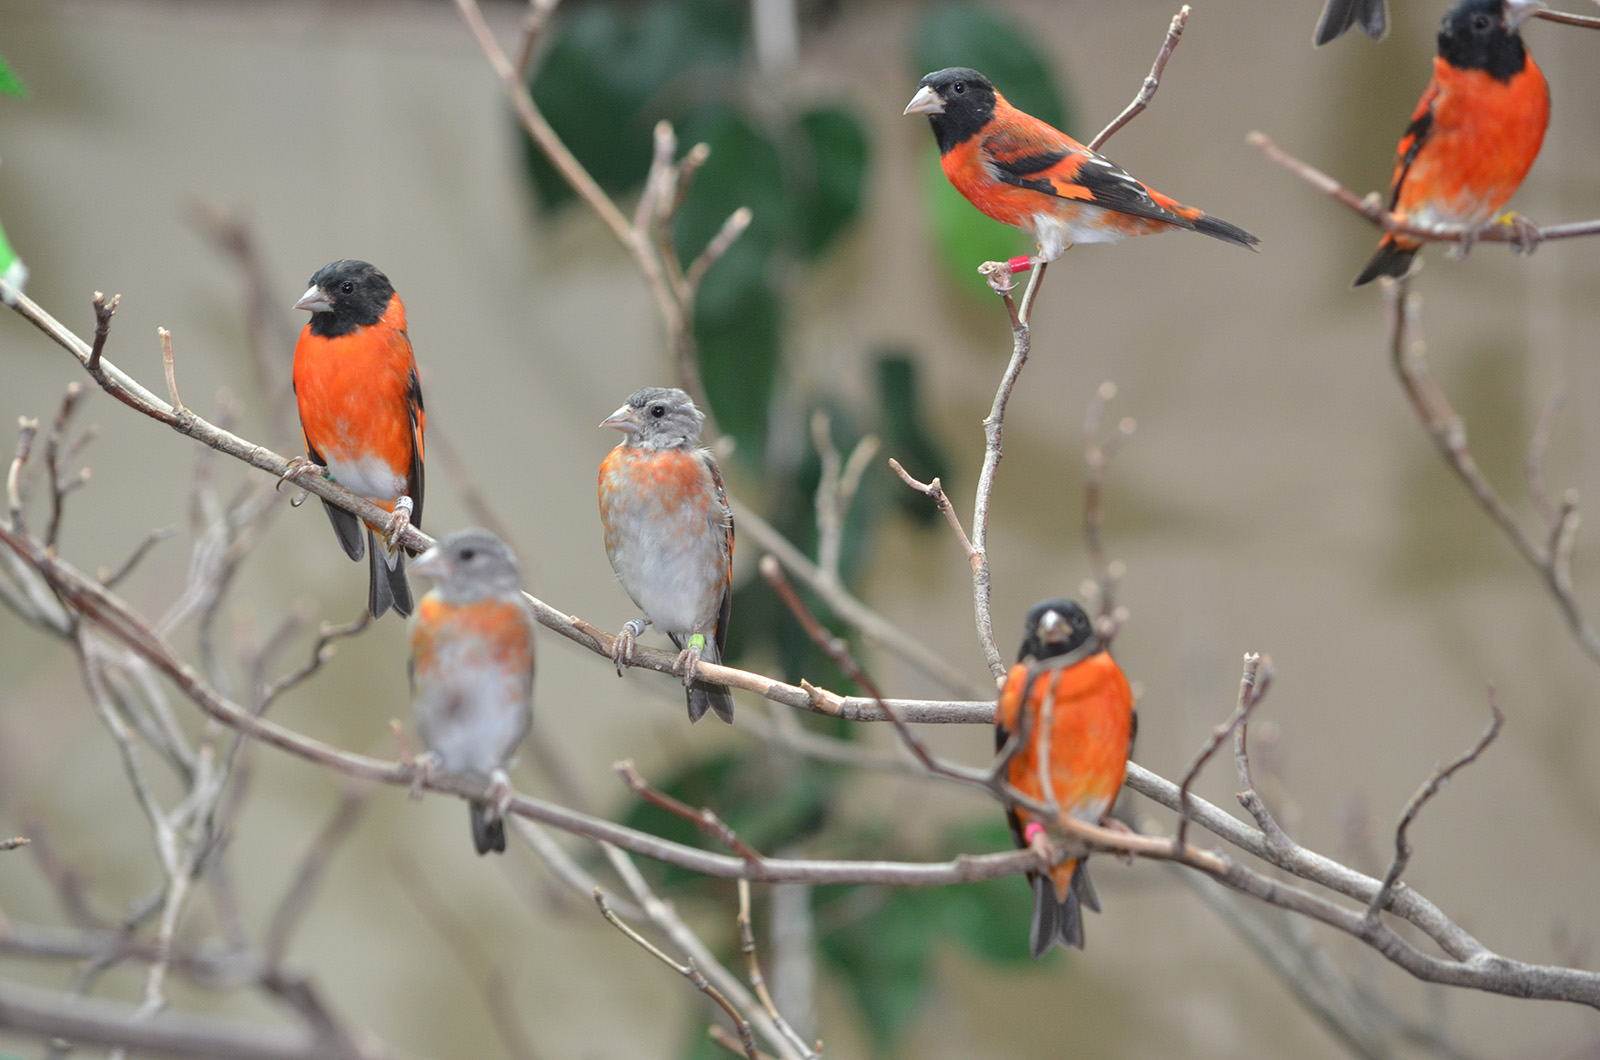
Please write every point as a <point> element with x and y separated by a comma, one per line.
<point>1090,738</point>
<point>361,413</point>
<point>1476,130</point>
<point>1027,174</point>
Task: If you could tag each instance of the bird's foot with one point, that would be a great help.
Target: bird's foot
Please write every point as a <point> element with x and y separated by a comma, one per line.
<point>688,663</point>
<point>422,767</point>
<point>1459,251</point>
<point>298,467</point>
<point>499,792</point>
<point>1034,835</point>
<point>399,519</point>
<point>622,644</point>
<point>1525,233</point>
<point>1112,824</point>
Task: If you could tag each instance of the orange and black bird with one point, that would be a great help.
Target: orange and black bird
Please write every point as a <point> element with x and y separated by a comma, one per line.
<point>1339,15</point>
<point>1475,132</point>
<point>1091,733</point>
<point>1030,175</point>
<point>355,380</point>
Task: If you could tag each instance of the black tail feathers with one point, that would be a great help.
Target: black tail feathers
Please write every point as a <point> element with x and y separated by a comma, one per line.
<point>488,829</point>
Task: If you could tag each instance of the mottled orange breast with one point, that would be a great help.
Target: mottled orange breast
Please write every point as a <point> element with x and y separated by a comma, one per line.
<point>500,629</point>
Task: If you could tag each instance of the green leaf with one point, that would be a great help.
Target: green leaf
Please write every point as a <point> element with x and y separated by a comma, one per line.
<point>739,328</point>
<point>883,957</point>
<point>964,34</point>
<point>613,72</point>
<point>828,176</point>
<point>991,918</point>
<point>902,426</point>
<point>10,83</point>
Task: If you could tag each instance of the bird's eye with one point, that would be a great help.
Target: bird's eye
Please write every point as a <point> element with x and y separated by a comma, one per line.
<point>959,87</point>
<point>1482,23</point>
<point>467,554</point>
<point>658,411</point>
<point>347,286</point>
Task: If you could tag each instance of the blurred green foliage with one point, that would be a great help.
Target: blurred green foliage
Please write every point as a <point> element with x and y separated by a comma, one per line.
<point>10,83</point>
<point>613,70</point>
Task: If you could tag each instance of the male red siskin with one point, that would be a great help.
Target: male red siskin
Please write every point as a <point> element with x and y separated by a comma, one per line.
<point>472,667</point>
<point>361,413</point>
<point>1030,175</point>
<point>1475,132</point>
<point>1091,734</point>
<point>669,535</point>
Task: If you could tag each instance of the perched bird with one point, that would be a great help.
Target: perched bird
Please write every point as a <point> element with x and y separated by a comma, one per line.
<point>472,667</point>
<point>1475,132</point>
<point>669,534</point>
<point>1091,734</point>
<point>361,413</point>
<point>1024,173</point>
<point>1339,15</point>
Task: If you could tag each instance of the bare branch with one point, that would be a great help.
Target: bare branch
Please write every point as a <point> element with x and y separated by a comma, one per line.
<point>872,625</point>
<point>1249,696</point>
<point>1152,82</point>
<point>103,312</point>
<point>1441,777</point>
<point>1495,231</point>
<point>758,982</point>
<point>1409,355</point>
<point>704,819</point>
<point>687,970</point>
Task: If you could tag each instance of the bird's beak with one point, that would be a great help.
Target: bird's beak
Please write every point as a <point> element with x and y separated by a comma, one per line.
<point>431,564</point>
<point>927,101</point>
<point>315,300</point>
<point>624,419</point>
<point>1519,11</point>
<point>1053,629</point>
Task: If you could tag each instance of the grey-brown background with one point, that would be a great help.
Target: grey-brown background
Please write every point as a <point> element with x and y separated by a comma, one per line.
<point>1278,495</point>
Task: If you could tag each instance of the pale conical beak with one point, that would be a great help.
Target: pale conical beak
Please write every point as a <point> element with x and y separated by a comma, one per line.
<point>1519,11</point>
<point>624,419</point>
<point>1053,628</point>
<point>431,564</point>
<point>927,101</point>
<point>315,300</point>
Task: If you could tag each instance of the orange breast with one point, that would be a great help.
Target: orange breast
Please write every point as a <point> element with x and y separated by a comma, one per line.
<point>499,630</point>
<point>1484,137</point>
<point>1088,744</point>
<point>354,393</point>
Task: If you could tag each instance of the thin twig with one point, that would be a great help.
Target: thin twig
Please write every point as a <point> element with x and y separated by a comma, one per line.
<point>848,608</point>
<point>171,370</point>
<point>1441,777</point>
<point>54,463</point>
<point>1248,698</point>
<point>1586,21</point>
<point>1371,208</point>
<point>1409,355</point>
<point>103,312</point>
<point>687,970</point>
<point>934,491</point>
<point>758,982</point>
<point>703,818</point>
<point>13,844</point>
<point>1097,455</point>
<point>1152,82</point>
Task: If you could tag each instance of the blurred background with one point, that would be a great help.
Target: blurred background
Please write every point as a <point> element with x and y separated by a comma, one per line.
<point>1278,495</point>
